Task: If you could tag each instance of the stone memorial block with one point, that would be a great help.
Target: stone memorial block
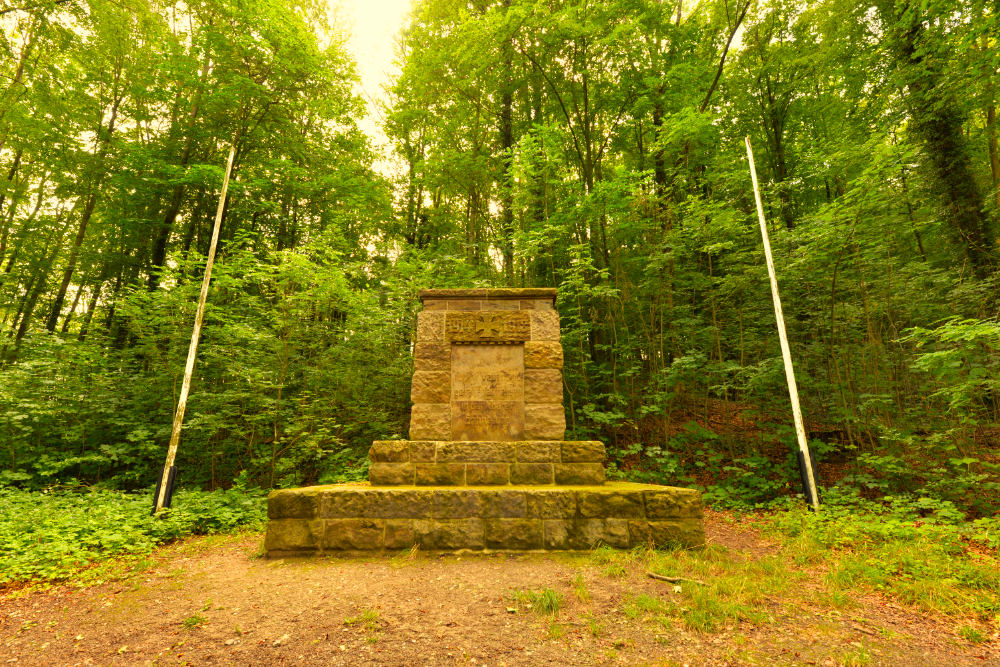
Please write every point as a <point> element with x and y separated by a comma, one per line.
<point>487,466</point>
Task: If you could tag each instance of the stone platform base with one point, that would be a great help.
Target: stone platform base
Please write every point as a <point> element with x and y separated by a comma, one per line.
<point>358,518</point>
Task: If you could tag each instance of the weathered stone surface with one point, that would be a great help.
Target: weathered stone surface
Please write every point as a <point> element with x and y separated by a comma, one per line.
<point>488,327</point>
<point>672,503</point>
<point>491,293</point>
<point>399,534</point>
<point>546,505</point>
<point>430,327</point>
<point>353,534</point>
<point>531,473</point>
<point>398,503</point>
<point>610,504</point>
<point>543,385</point>
<point>544,325</point>
<point>358,518</point>
<point>616,533</point>
<point>487,420</point>
<point>440,474</point>
<point>430,421</point>
<point>543,354</point>
<point>481,451</point>
<point>432,356</point>
<point>389,451</point>
<point>536,304</point>
<point>501,304</point>
<point>436,304</point>
<point>572,534</point>
<point>431,387</point>
<point>688,533</point>
<point>544,422</point>
<point>465,304</point>
<point>457,504</point>
<point>423,451</point>
<point>502,504</point>
<point>513,533</point>
<point>391,474</point>
<point>449,534</point>
<point>585,451</point>
<point>579,473</point>
<point>538,451</point>
<point>487,474</point>
<point>294,503</point>
<point>291,534</point>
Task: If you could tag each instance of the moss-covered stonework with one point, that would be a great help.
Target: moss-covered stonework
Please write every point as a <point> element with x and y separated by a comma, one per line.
<point>487,467</point>
<point>342,518</point>
<point>485,463</point>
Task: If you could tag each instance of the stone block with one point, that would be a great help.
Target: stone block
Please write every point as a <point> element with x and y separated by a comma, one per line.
<point>432,357</point>
<point>439,474</point>
<point>487,420</point>
<point>430,421</point>
<point>353,534</point>
<point>543,385</point>
<point>487,474</point>
<point>475,451</point>
<point>583,474</point>
<point>611,504</point>
<point>544,422</point>
<point>504,504</point>
<point>292,534</point>
<point>400,504</point>
<point>531,473</point>
<point>431,387</point>
<point>673,503</point>
<point>457,504</point>
<point>389,451</point>
<point>503,327</point>
<point>616,533</point>
<point>423,451</point>
<point>538,451</point>
<point>501,304</point>
<point>449,534</point>
<point>544,325</point>
<point>536,304</point>
<point>576,534</point>
<point>688,533</point>
<point>391,474</point>
<point>399,534</point>
<point>294,504</point>
<point>430,327</point>
<point>357,502</point>
<point>550,504</point>
<point>543,354</point>
<point>465,304</point>
<point>588,451</point>
<point>435,304</point>
<point>513,533</point>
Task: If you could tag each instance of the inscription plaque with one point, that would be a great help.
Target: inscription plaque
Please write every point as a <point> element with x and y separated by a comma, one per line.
<point>487,327</point>
<point>487,392</point>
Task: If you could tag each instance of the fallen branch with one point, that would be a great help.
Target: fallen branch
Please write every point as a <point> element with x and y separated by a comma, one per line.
<point>675,580</point>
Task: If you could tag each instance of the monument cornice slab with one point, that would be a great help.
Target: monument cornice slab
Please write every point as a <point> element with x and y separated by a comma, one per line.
<point>490,293</point>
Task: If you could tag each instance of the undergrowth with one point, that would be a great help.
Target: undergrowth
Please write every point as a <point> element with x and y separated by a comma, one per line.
<point>54,535</point>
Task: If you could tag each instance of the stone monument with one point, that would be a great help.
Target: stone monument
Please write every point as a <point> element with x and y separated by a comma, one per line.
<point>487,466</point>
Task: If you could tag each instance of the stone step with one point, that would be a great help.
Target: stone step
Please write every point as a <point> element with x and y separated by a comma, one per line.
<point>358,518</point>
<point>485,463</point>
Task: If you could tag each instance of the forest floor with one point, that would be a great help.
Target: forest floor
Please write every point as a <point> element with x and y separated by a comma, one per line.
<point>213,600</point>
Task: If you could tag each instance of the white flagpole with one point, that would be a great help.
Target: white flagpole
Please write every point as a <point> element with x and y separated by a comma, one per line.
<point>793,392</point>
<point>175,432</point>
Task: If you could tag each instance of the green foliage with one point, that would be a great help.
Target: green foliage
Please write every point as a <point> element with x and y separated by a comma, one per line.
<point>545,602</point>
<point>52,535</point>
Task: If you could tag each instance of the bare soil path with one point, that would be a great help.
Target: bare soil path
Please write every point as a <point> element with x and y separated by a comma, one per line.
<point>210,601</point>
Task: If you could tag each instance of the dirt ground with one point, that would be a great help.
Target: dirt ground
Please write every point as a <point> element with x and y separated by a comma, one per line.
<point>208,601</point>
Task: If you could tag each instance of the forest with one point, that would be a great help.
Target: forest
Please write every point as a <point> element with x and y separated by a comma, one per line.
<point>593,146</point>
